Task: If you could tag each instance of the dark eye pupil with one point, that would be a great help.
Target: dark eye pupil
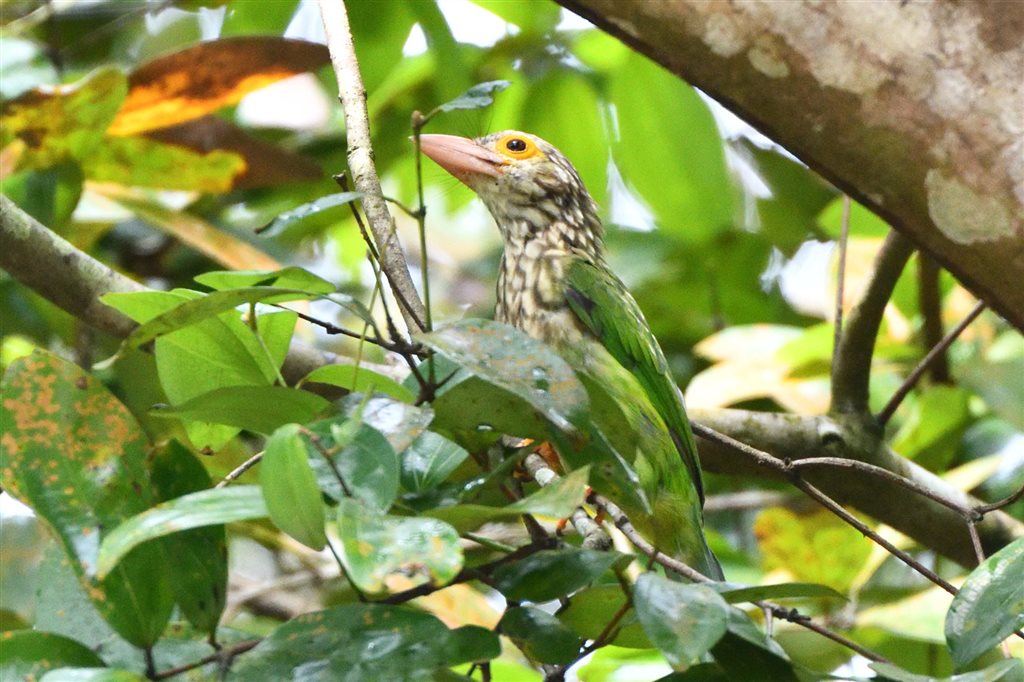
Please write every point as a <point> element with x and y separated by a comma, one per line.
<point>516,145</point>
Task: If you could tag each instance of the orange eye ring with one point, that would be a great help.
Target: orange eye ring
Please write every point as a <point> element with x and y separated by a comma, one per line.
<point>517,147</point>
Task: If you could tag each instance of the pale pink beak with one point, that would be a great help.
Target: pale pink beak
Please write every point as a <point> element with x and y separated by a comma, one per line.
<point>462,157</point>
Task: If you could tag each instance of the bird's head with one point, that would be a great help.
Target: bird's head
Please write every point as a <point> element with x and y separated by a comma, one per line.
<point>528,186</point>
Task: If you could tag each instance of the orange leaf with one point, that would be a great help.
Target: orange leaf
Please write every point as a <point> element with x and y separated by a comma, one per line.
<point>199,80</point>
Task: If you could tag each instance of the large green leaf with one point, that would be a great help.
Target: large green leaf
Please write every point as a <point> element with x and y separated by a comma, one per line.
<point>359,642</point>
<point>374,546</point>
<point>28,654</point>
<point>684,621</point>
<point>551,574</point>
<point>539,635</point>
<point>290,489</point>
<point>989,606</point>
<point>76,455</point>
<point>255,408</point>
<point>366,462</point>
<point>429,461</point>
<point>669,151</point>
<point>199,556</point>
<point>205,508</point>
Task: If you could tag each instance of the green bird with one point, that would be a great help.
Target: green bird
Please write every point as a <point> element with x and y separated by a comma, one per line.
<point>555,284</point>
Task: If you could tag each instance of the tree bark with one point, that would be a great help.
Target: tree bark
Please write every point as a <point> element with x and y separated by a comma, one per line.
<point>915,108</point>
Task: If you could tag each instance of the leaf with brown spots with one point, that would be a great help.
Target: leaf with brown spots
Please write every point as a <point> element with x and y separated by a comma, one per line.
<point>199,80</point>
<point>77,456</point>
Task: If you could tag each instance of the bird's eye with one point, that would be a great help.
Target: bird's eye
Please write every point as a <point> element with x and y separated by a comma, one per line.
<point>517,147</point>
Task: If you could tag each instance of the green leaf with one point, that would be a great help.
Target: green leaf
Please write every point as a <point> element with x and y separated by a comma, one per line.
<point>49,195</point>
<point>76,455</point>
<point>367,463</point>
<point>255,408</point>
<point>360,379</point>
<point>531,17</point>
<point>144,162</point>
<point>747,654</point>
<point>400,422</point>
<point>91,675</point>
<point>669,151</point>
<point>190,312</point>
<point>739,595</point>
<point>477,97</point>
<point>299,213</point>
<point>276,330</point>
<point>989,606</point>
<point>28,654</point>
<point>429,461</point>
<point>539,635</point>
<point>472,643</point>
<point>931,432</point>
<point>286,278</point>
<point>997,671</point>
<point>355,642</point>
<point>199,580</point>
<point>863,223</point>
<point>684,621</point>
<point>67,122</point>
<point>592,608</point>
<point>374,546</point>
<point>290,490</point>
<point>205,508</point>
<point>557,500</point>
<point>554,573</point>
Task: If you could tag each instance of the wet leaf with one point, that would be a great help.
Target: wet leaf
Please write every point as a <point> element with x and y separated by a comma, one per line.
<point>288,218</point>
<point>373,546</point>
<point>477,97</point>
<point>539,635</point>
<point>65,121</point>
<point>429,461</point>
<point>555,573</point>
<point>76,455</point>
<point>254,408</point>
<point>141,162</point>
<point>989,606</point>
<point>367,463</point>
<point>360,380</point>
<point>212,507</point>
<point>684,621</point>
<point>201,79</point>
<point>290,490</point>
<point>286,278</point>
<point>356,642</point>
<point>400,422</point>
<point>28,654</point>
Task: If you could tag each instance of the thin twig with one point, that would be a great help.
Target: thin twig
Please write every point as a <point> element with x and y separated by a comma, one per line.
<point>352,94</point>
<point>938,351</point>
<point>844,235</point>
<point>240,469</point>
<point>418,121</point>
<point>225,654</point>
<point>851,363</point>
<point>983,509</point>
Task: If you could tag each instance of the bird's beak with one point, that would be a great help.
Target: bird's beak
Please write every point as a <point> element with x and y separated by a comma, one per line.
<point>462,157</point>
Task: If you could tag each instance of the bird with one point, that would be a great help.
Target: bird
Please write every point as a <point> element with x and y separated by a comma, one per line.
<point>554,283</point>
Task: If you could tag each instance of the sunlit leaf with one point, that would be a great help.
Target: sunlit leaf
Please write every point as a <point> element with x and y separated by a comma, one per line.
<point>141,162</point>
<point>989,605</point>
<point>357,642</point>
<point>255,408</point>
<point>201,79</point>
<point>76,455</point>
<point>361,380</point>
<point>288,218</point>
<point>205,508</point>
<point>373,546</point>
<point>684,621</point>
<point>290,490</point>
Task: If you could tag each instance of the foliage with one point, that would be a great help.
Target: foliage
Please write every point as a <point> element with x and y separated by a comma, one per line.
<point>386,529</point>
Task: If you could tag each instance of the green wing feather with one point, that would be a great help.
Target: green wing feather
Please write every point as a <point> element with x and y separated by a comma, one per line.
<point>600,300</point>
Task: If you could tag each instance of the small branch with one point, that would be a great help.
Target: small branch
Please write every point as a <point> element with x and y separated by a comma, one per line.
<point>851,364</point>
<point>236,473</point>
<point>590,530</point>
<point>844,237</point>
<point>352,94</point>
<point>930,302</point>
<point>224,655</point>
<point>999,504</point>
<point>936,354</point>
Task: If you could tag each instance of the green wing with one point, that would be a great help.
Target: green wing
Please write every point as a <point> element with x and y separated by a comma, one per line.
<point>600,300</point>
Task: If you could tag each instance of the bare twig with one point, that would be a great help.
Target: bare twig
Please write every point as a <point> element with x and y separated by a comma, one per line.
<point>851,364</point>
<point>999,504</point>
<point>844,236</point>
<point>225,654</point>
<point>236,473</point>
<point>590,530</point>
<point>352,94</point>
<point>935,354</point>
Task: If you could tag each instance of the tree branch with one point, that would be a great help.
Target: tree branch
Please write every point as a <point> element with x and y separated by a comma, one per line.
<point>360,160</point>
<point>851,364</point>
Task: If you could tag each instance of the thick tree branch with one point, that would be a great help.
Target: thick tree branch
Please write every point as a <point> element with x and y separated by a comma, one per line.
<point>851,365</point>
<point>360,161</point>
<point>920,120</point>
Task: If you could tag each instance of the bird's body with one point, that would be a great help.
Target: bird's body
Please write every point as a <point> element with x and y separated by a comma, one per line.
<point>555,285</point>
